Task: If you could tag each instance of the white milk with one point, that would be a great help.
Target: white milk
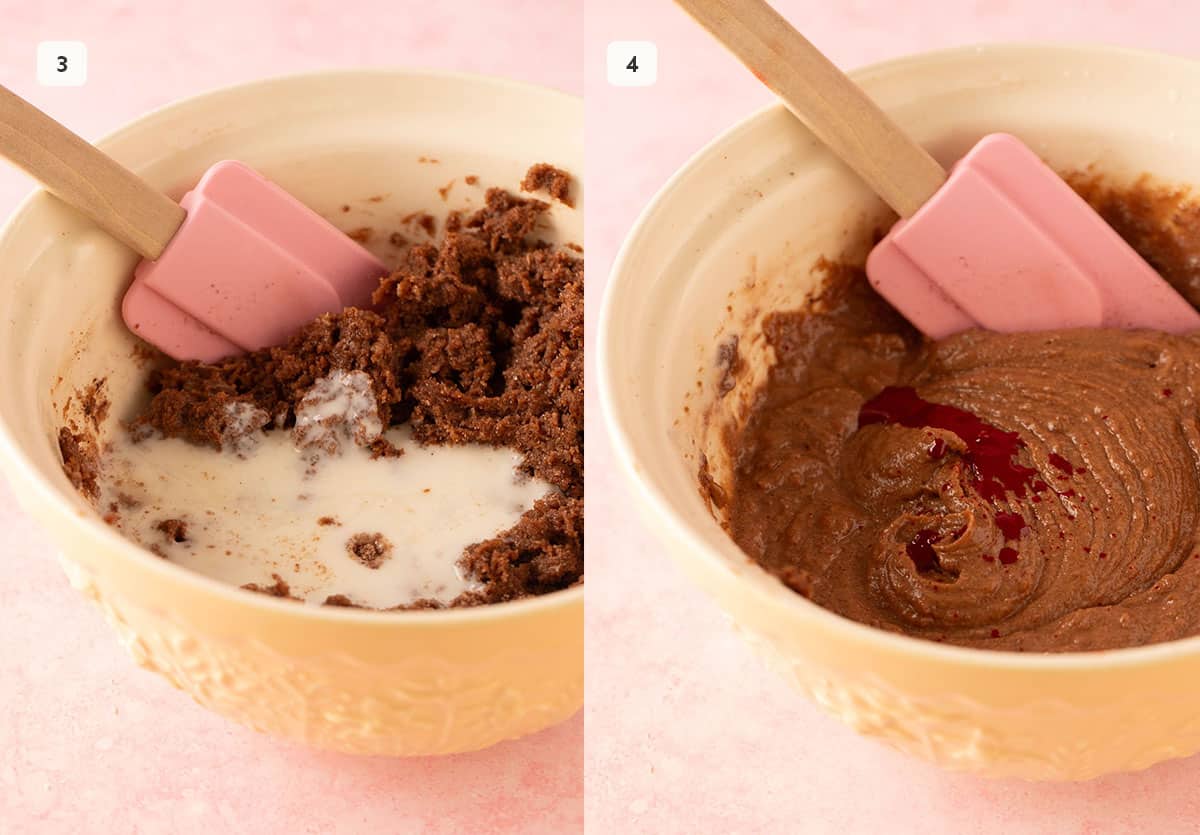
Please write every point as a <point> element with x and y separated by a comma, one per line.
<point>253,511</point>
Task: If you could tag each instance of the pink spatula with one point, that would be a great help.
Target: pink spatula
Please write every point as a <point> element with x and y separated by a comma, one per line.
<point>238,264</point>
<point>1000,242</point>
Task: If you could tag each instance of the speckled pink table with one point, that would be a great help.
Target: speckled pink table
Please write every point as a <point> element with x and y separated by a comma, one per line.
<point>686,731</point>
<point>88,742</point>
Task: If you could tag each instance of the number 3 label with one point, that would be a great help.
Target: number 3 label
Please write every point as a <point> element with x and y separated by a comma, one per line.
<point>632,63</point>
<point>62,63</point>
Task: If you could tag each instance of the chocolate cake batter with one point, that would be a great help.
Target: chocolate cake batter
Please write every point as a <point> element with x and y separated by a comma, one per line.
<point>1025,492</point>
<point>478,340</point>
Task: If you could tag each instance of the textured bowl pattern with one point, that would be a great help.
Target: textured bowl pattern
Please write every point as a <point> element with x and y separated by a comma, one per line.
<point>419,705</point>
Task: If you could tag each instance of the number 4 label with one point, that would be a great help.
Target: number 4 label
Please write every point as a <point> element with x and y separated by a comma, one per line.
<point>632,63</point>
<point>61,63</point>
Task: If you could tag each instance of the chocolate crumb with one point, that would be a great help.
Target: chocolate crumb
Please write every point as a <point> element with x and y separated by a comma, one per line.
<point>370,549</point>
<point>94,402</point>
<point>730,364</point>
<point>175,530</point>
<point>326,521</point>
<point>470,179</point>
<point>554,181</point>
<point>362,234</point>
<point>423,221</point>
<point>143,353</point>
<point>81,461</point>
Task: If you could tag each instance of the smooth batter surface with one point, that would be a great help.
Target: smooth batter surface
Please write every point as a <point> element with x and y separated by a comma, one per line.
<point>1029,491</point>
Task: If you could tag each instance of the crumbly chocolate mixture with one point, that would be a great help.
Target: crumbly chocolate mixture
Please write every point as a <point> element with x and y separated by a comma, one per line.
<point>476,340</point>
<point>1034,492</point>
<point>554,181</point>
<point>370,549</point>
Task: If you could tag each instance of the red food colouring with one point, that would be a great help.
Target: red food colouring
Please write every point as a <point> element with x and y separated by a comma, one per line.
<point>1167,392</point>
<point>1008,556</point>
<point>988,558</point>
<point>1103,555</point>
<point>1010,524</point>
<point>995,633</point>
<point>920,550</point>
<point>937,449</point>
<point>990,450</point>
<point>1060,463</point>
<point>1087,550</point>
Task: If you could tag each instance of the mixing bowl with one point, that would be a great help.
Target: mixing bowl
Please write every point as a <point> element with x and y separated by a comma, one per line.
<point>735,234</point>
<point>364,149</point>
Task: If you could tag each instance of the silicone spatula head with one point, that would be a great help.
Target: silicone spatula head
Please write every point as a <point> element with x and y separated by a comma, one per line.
<point>248,267</point>
<point>1006,245</point>
<point>239,264</point>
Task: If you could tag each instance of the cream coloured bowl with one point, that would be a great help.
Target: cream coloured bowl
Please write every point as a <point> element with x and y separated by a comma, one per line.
<point>380,143</point>
<point>735,234</point>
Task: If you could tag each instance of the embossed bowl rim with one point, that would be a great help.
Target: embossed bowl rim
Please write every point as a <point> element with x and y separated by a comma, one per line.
<point>22,468</point>
<point>620,415</point>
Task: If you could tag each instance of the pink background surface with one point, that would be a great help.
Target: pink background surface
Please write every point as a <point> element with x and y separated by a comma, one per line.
<point>90,743</point>
<point>686,731</point>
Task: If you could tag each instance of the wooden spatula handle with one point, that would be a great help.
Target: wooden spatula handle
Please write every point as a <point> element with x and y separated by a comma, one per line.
<point>81,176</point>
<point>834,107</point>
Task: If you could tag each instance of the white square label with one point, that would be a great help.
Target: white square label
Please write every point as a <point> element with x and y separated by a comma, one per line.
<point>632,63</point>
<point>61,63</point>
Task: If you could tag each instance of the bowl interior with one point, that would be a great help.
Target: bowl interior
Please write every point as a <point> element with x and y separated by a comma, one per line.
<point>737,232</point>
<point>364,149</point>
